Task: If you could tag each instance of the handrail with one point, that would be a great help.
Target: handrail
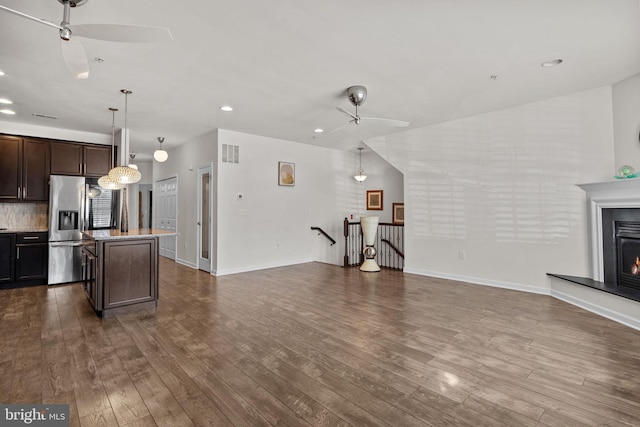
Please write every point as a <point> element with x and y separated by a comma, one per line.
<point>393,247</point>
<point>380,223</point>
<point>324,233</point>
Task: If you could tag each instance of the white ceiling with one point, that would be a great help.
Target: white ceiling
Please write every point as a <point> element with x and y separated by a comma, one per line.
<point>284,64</point>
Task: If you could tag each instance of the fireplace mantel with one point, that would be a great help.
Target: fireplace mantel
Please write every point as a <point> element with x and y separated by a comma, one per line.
<point>620,193</point>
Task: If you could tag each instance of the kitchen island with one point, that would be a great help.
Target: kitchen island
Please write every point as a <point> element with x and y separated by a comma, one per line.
<point>120,269</point>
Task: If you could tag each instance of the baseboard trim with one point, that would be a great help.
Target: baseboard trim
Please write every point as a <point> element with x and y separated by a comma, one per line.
<point>597,309</point>
<point>187,263</point>
<point>250,268</point>
<point>478,281</point>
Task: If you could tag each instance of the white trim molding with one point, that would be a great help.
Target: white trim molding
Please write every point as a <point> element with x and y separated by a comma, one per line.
<point>618,309</point>
<point>621,193</point>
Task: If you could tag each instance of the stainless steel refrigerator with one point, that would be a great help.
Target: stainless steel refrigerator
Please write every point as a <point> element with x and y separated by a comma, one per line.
<point>75,204</point>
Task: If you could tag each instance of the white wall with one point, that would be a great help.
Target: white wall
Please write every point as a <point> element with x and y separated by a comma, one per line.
<point>183,162</point>
<point>270,226</point>
<point>501,188</point>
<point>380,176</point>
<point>626,119</point>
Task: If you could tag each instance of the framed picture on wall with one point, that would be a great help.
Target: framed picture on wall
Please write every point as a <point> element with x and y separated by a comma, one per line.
<point>286,174</point>
<point>374,200</point>
<point>398,213</point>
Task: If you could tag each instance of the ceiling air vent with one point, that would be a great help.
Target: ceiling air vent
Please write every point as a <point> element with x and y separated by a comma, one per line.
<point>230,153</point>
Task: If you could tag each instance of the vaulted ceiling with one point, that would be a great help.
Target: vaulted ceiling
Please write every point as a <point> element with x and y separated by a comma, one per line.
<point>284,65</point>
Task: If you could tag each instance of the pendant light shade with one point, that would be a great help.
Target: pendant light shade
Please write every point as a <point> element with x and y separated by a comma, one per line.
<point>106,181</point>
<point>132,157</point>
<point>360,176</point>
<point>160,155</point>
<point>125,174</point>
<point>93,192</point>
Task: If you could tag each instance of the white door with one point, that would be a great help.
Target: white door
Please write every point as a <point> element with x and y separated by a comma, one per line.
<point>204,218</point>
<point>166,195</point>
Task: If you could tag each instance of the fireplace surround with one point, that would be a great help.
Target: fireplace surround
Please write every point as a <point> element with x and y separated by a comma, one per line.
<point>606,298</point>
<point>603,199</point>
<point>613,218</point>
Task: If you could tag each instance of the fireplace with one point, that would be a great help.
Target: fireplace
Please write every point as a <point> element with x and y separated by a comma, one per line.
<point>628,254</point>
<point>621,246</point>
<point>613,215</point>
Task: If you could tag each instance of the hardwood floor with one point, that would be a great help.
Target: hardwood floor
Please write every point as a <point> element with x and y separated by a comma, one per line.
<point>315,344</point>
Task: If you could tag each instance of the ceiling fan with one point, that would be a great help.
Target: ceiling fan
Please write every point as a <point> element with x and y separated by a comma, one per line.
<point>72,50</point>
<point>357,95</point>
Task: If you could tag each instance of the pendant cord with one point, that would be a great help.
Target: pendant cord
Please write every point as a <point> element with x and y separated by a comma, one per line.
<point>113,135</point>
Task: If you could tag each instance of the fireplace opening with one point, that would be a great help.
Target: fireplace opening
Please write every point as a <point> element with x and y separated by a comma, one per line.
<point>628,253</point>
<point>621,246</point>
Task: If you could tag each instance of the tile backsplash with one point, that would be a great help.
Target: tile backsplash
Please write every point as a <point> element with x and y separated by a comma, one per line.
<point>24,216</point>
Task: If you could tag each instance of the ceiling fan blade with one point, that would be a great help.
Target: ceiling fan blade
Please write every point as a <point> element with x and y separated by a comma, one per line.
<point>122,33</point>
<point>75,58</point>
<point>338,128</point>
<point>342,110</point>
<point>33,18</point>
<point>387,122</point>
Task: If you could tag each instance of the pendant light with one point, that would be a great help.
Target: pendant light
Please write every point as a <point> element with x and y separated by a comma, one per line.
<point>106,181</point>
<point>360,176</point>
<point>93,192</point>
<point>124,174</point>
<point>160,155</point>
<point>132,156</point>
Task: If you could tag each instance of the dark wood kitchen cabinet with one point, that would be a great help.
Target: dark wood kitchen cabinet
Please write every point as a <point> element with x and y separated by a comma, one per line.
<point>68,158</point>
<point>24,169</point>
<point>23,259</point>
<point>121,275</point>
<point>32,251</point>
<point>7,257</point>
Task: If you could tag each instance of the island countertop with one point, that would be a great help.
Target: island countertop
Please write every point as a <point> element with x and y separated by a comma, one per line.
<point>138,233</point>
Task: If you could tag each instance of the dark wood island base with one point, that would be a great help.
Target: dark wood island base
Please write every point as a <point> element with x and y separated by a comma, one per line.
<point>121,270</point>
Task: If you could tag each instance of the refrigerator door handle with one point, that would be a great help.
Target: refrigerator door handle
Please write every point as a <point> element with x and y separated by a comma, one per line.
<point>65,244</point>
<point>83,213</point>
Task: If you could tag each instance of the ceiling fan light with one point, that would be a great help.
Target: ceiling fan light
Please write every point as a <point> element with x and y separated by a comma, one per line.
<point>160,155</point>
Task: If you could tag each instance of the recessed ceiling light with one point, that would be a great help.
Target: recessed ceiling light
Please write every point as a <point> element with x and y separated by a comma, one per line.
<point>226,108</point>
<point>5,111</point>
<point>551,63</point>
<point>318,130</point>
<point>5,101</point>
<point>1,73</point>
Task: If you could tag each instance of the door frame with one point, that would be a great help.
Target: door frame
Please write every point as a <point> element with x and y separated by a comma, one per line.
<point>199,219</point>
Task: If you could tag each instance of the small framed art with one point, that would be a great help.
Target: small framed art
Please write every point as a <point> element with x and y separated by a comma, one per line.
<point>286,174</point>
<point>398,213</point>
<point>374,200</point>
